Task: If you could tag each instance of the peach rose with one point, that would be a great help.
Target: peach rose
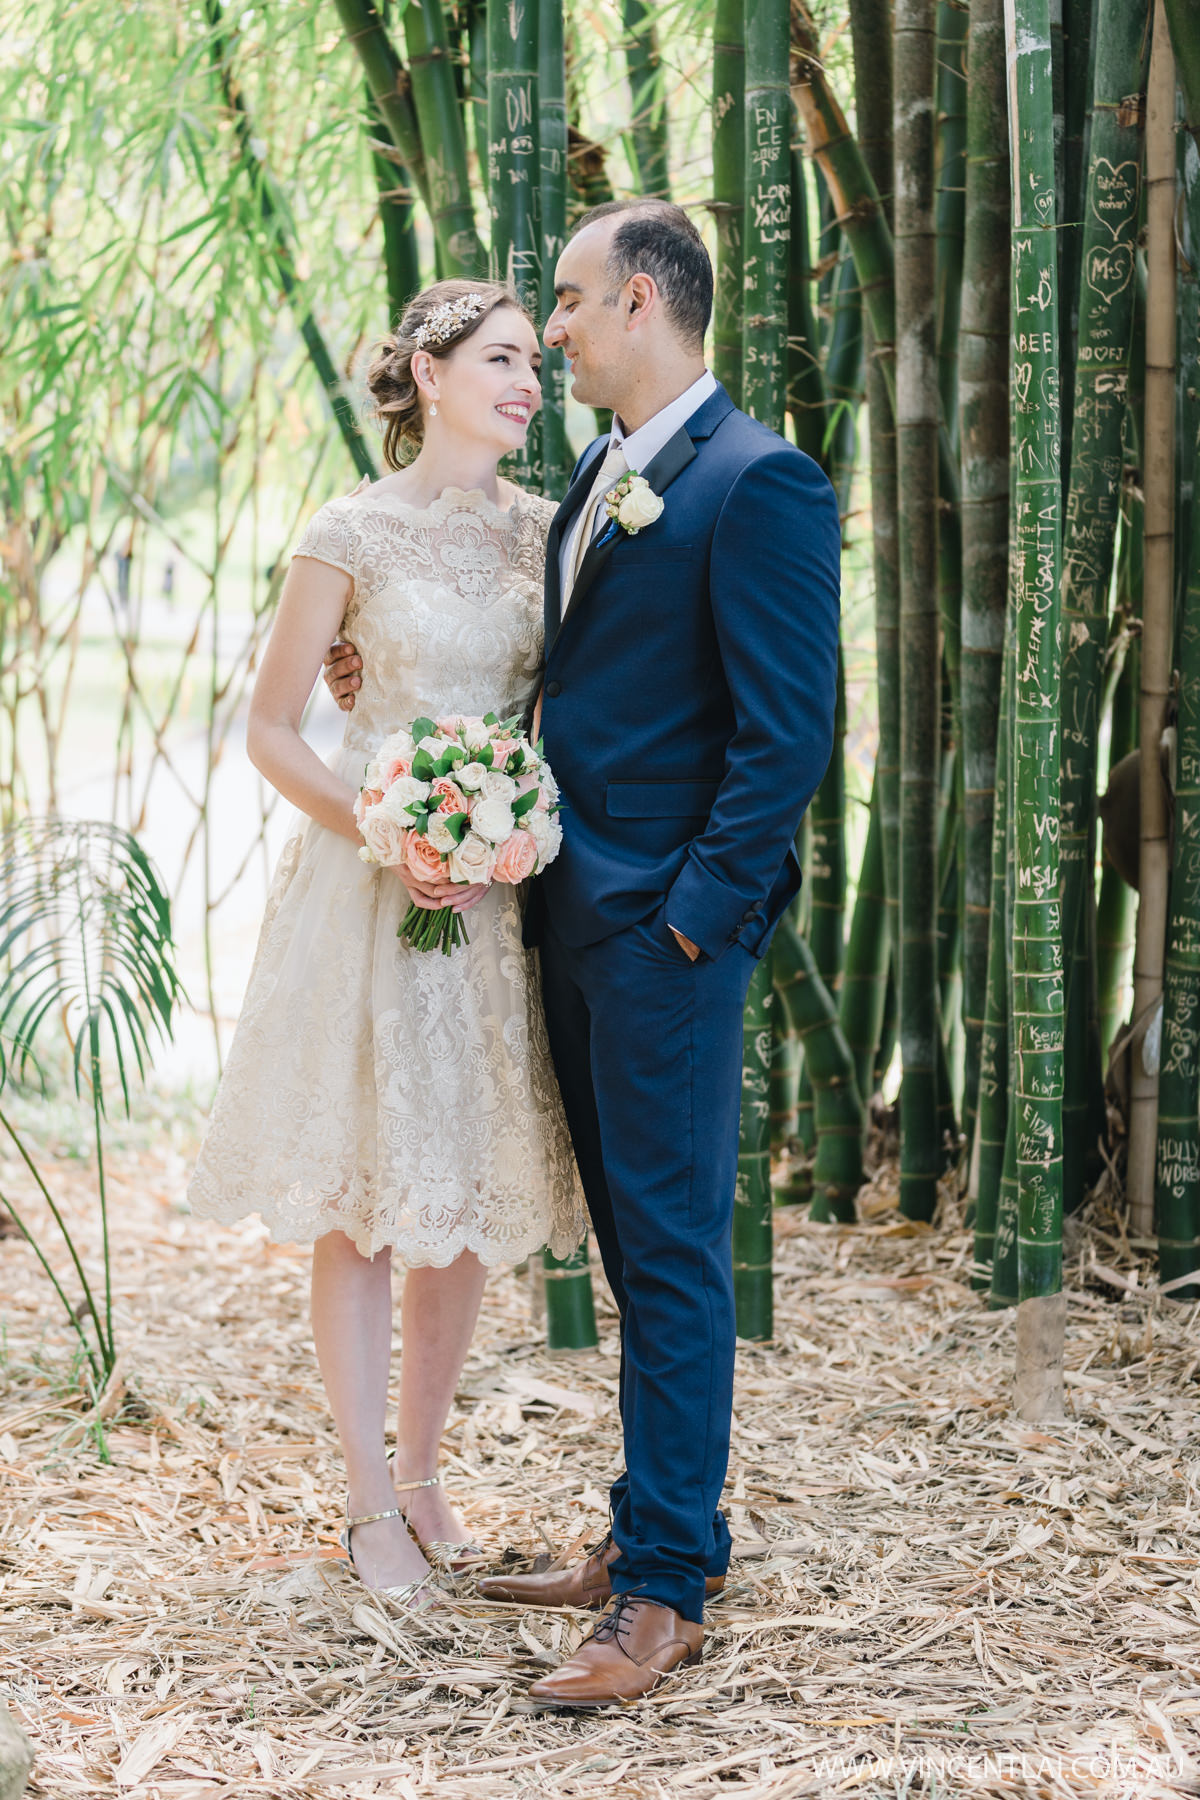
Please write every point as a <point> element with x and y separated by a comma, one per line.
<point>423,860</point>
<point>398,767</point>
<point>516,859</point>
<point>451,797</point>
<point>502,749</point>
<point>384,840</point>
<point>367,798</point>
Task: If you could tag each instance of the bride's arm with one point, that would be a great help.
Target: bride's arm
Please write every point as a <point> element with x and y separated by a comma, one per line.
<point>311,607</point>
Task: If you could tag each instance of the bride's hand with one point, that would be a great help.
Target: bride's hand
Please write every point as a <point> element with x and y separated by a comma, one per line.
<point>432,896</point>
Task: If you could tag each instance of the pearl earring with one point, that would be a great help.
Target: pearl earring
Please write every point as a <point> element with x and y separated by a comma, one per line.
<point>433,410</point>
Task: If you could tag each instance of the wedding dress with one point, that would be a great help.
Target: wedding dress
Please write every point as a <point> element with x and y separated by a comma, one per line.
<point>401,1096</point>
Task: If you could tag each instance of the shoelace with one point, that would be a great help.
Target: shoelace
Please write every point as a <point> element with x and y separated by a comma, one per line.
<point>616,1621</point>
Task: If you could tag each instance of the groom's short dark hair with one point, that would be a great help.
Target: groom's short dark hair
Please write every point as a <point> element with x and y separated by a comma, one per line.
<point>659,240</point>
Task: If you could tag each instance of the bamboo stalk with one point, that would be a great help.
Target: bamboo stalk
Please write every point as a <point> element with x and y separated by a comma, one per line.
<point>1037,1011</point>
<point>401,257</point>
<point>1177,1178</point>
<point>951,143</point>
<point>729,196</point>
<point>806,380</point>
<point>440,119</point>
<point>983,439</point>
<point>768,213</point>
<point>991,1127</point>
<point>1115,906</point>
<point>1158,465</point>
<point>275,220</point>
<point>389,82</point>
<point>857,175</point>
<point>1104,312</point>
<point>752,1212</point>
<point>868,952</point>
<point>557,456</point>
<point>648,109</point>
<point>916,442</point>
<point>515,172</point>
<point>1185,41</point>
<point>570,1304</point>
<point>843,378</point>
<point>836,1171</point>
<point>827,872</point>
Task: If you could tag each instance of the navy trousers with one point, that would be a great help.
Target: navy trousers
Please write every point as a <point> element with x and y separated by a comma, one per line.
<point>648,1051</point>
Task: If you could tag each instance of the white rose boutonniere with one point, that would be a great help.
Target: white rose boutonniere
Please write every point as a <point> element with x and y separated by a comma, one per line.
<point>633,503</point>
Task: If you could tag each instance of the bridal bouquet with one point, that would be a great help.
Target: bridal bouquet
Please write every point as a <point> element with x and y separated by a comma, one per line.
<point>470,799</point>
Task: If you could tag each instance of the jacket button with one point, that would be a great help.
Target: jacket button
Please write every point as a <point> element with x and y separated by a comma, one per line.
<point>553,690</point>
<point>747,916</point>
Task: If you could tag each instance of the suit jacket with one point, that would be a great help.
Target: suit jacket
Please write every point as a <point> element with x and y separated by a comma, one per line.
<point>689,690</point>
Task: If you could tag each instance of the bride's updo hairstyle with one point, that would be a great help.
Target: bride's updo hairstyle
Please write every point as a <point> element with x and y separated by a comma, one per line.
<point>437,320</point>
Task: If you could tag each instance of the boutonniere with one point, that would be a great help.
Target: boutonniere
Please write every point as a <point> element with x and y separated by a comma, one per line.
<point>633,503</point>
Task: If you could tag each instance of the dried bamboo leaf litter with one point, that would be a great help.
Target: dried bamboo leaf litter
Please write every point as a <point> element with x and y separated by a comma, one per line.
<point>927,1596</point>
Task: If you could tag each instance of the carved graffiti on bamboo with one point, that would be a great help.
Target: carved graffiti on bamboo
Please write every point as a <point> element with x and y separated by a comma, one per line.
<point>767,148</point>
<point>1178,1165</point>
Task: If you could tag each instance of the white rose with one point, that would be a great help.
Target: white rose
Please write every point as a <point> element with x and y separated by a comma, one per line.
<point>440,834</point>
<point>399,744</point>
<point>492,819</point>
<point>373,774</point>
<point>475,734</point>
<point>433,746</point>
<point>496,785</point>
<point>404,792</point>
<point>546,833</point>
<point>471,777</point>
<point>383,836</point>
<point>472,860</point>
<point>640,506</point>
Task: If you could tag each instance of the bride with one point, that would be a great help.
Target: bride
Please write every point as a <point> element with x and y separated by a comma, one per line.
<point>382,1102</point>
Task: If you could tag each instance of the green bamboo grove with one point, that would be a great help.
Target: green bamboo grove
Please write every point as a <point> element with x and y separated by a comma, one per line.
<point>946,270</point>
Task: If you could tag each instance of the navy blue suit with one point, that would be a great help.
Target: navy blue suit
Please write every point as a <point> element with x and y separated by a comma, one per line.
<point>688,717</point>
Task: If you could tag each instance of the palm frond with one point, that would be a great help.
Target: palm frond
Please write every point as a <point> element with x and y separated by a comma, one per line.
<point>85,940</point>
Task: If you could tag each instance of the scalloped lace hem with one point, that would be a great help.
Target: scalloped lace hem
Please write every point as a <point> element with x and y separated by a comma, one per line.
<point>370,1233</point>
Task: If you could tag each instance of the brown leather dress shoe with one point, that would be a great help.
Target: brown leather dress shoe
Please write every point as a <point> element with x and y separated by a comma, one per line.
<point>634,1645</point>
<point>583,1584</point>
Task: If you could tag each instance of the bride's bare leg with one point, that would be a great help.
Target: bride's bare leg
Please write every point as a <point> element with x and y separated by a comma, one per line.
<point>438,1316</point>
<point>352,1329</point>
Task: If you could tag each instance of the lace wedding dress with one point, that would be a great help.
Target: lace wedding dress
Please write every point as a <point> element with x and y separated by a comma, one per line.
<point>401,1096</point>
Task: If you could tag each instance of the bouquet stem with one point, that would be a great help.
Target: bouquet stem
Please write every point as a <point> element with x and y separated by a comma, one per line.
<point>425,929</point>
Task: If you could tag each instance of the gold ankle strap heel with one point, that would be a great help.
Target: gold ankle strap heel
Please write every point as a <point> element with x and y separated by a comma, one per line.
<point>450,1559</point>
<point>413,1596</point>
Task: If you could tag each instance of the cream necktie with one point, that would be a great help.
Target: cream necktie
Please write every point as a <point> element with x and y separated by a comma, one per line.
<point>610,470</point>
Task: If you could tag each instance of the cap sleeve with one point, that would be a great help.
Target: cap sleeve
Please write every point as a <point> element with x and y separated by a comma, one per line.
<point>329,538</point>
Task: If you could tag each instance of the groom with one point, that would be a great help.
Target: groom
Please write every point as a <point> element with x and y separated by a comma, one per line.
<point>687,713</point>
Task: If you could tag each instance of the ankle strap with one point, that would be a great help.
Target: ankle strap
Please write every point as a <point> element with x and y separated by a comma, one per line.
<point>405,1487</point>
<point>370,1518</point>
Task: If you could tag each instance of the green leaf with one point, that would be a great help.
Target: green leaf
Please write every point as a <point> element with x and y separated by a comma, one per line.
<point>524,803</point>
<point>424,767</point>
<point>422,728</point>
<point>456,824</point>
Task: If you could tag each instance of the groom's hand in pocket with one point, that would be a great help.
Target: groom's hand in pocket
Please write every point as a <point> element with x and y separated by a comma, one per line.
<point>690,950</point>
<point>342,673</point>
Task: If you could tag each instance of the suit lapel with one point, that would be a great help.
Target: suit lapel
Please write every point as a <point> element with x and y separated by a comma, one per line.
<point>560,524</point>
<point>671,460</point>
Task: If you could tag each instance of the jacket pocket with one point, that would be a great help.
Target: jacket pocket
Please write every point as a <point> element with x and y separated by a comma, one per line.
<point>660,799</point>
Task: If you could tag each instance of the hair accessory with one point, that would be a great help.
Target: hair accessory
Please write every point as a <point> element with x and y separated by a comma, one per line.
<point>447,320</point>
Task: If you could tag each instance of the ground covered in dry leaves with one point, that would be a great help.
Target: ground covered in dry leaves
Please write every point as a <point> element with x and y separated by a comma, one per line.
<point>927,1597</point>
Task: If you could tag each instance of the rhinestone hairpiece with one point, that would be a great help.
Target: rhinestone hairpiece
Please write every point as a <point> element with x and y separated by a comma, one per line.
<point>448,319</point>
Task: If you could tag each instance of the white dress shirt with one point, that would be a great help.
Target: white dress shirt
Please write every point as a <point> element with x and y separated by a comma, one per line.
<point>640,447</point>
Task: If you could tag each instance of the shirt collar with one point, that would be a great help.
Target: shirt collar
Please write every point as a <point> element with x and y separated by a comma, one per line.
<point>640,447</point>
